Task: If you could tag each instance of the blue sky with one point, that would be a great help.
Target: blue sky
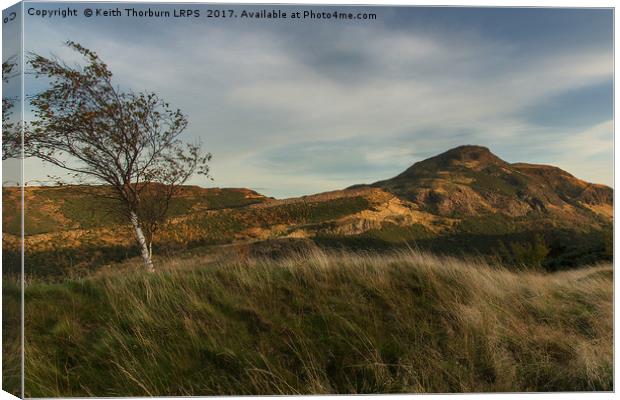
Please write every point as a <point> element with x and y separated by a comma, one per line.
<point>297,108</point>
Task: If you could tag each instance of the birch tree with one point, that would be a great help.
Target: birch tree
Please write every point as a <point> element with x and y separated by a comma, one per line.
<point>128,141</point>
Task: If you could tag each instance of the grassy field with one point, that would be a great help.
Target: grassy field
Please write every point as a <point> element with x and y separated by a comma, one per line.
<point>318,323</point>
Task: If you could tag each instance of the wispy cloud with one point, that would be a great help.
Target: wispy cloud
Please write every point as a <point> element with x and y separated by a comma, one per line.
<point>305,108</point>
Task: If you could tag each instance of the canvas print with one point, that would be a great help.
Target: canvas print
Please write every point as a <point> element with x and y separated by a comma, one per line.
<point>230,199</point>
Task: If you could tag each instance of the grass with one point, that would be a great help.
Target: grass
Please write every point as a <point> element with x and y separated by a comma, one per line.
<point>318,323</point>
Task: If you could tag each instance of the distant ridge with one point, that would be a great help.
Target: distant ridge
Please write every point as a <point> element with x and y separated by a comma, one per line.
<point>471,180</point>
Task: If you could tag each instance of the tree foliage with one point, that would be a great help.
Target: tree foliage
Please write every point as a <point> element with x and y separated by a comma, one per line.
<point>11,135</point>
<point>128,140</point>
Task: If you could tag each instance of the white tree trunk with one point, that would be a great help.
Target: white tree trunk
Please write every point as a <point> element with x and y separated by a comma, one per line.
<point>144,247</point>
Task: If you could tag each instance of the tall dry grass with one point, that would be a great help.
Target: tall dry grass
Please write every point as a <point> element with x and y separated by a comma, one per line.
<point>321,323</point>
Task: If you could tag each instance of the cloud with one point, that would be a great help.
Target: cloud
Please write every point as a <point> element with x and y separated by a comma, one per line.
<point>303,108</point>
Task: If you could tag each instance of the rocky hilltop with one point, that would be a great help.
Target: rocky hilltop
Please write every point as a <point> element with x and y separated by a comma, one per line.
<point>470,181</point>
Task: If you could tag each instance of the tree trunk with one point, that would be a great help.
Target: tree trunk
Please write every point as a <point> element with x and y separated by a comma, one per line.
<point>144,247</point>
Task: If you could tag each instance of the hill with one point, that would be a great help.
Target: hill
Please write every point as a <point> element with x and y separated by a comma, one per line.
<point>470,180</point>
<point>466,200</point>
<point>50,209</point>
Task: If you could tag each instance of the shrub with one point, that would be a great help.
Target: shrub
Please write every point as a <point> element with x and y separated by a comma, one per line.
<point>528,254</point>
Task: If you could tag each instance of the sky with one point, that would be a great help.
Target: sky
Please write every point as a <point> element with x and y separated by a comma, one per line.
<point>290,108</point>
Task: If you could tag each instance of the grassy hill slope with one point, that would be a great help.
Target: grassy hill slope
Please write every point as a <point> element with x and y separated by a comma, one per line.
<point>317,323</point>
<point>50,209</point>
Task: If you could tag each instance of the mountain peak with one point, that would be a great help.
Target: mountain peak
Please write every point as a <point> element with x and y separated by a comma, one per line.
<point>470,180</point>
<point>469,149</point>
<point>470,154</point>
